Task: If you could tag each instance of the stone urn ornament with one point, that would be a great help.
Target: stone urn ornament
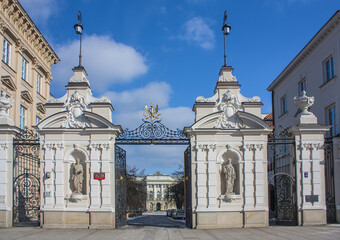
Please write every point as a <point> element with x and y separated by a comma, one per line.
<point>303,103</point>
<point>5,104</point>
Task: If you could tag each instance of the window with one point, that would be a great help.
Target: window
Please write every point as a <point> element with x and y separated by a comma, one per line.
<point>6,51</point>
<point>24,70</point>
<point>39,87</point>
<point>331,120</point>
<point>329,69</point>
<point>302,86</point>
<point>283,102</point>
<point>22,117</point>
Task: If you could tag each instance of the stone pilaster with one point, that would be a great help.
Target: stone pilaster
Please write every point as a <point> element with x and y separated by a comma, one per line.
<point>212,193</point>
<point>94,184</point>
<point>202,176</point>
<point>59,176</point>
<point>7,133</point>
<point>249,188</point>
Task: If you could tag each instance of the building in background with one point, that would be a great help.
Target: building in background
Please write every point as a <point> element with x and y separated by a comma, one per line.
<point>157,186</point>
<point>26,64</point>
<point>315,71</point>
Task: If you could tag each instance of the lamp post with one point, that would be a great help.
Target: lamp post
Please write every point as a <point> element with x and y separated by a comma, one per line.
<point>79,30</point>
<point>226,30</point>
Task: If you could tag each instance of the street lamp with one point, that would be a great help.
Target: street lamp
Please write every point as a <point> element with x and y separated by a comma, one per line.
<point>79,30</point>
<point>226,30</point>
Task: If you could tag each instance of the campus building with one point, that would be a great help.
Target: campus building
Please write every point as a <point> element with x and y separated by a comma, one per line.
<point>157,187</point>
<point>26,63</point>
<point>314,71</point>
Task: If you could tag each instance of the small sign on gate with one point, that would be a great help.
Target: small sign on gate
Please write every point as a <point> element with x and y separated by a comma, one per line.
<point>306,174</point>
<point>312,198</point>
<point>99,175</point>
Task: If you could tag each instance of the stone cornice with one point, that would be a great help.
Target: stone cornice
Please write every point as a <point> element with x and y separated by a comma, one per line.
<point>13,13</point>
<point>321,35</point>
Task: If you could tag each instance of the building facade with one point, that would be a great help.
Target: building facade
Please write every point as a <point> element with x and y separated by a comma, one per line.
<point>314,71</point>
<point>26,63</point>
<point>157,186</point>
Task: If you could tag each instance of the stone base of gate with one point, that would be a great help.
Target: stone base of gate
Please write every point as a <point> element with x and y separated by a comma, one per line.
<point>312,217</point>
<point>210,220</point>
<point>90,220</point>
<point>5,218</point>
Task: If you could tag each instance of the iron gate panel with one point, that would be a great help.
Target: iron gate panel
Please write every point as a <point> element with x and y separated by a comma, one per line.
<point>329,175</point>
<point>188,187</point>
<point>120,187</point>
<point>26,178</point>
<point>152,131</point>
<point>285,199</point>
<point>282,171</point>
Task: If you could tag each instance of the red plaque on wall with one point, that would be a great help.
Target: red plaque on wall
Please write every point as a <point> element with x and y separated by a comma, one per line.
<point>99,175</point>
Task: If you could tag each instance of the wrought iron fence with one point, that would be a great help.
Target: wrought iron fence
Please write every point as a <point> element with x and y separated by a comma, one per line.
<point>329,175</point>
<point>120,186</point>
<point>26,178</point>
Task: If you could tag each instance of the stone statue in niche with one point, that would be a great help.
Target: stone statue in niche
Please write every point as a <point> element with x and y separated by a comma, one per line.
<point>78,177</point>
<point>230,177</point>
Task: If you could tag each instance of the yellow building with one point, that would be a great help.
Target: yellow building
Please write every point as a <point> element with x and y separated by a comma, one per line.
<point>26,64</point>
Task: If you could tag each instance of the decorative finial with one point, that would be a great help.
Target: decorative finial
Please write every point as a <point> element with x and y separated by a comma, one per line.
<point>226,30</point>
<point>5,104</point>
<point>303,103</point>
<point>79,30</point>
<point>151,113</point>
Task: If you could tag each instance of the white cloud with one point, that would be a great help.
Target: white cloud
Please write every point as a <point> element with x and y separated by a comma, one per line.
<point>197,30</point>
<point>39,10</point>
<point>106,61</point>
<point>135,99</point>
<point>129,107</point>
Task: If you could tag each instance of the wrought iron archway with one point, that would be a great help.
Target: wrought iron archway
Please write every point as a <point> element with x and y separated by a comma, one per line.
<point>153,132</point>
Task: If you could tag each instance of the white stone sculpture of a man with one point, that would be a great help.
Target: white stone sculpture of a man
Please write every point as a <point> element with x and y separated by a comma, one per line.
<point>78,177</point>
<point>230,176</point>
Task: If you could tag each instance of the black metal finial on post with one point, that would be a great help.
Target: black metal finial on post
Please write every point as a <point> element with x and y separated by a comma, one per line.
<point>226,30</point>
<point>79,30</point>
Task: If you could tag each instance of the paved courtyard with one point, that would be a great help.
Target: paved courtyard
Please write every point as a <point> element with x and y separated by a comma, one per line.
<point>160,233</point>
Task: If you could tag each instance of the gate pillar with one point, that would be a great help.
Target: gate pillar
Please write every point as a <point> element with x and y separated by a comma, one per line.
<point>309,165</point>
<point>228,158</point>
<point>7,133</point>
<point>78,167</point>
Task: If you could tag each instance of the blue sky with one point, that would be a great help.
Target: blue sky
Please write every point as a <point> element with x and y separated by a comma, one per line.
<point>170,51</point>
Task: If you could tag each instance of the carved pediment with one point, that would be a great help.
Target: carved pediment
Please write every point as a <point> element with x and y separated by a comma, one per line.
<point>41,108</point>
<point>8,82</point>
<point>26,96</point>
<point>239,120</point>
<point>91,120</point>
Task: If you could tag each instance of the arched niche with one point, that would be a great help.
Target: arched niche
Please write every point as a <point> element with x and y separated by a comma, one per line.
<point>71,160</point>
<point>235,157</point>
